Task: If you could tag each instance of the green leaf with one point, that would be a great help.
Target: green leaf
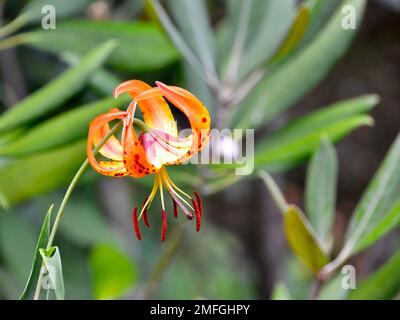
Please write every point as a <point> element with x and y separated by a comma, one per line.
<point>63,8</point>
<point>113,272</point>
<point>285,85</point>
<point>142,47</point>
<point>194,21</point>
<point>378,211</point>
<point>302,239</point>
<point>52,261</point>
<point>384,284</point>
<point>62,129</point>
<point>276,20</point>
<point>44,234</point>
<point>58,91</point>
<point>27,177</point>
<point>295,34</point>
<point>17,242</point>
<point>84,224</point>
<point>280,292</point>
<point>321,190</point>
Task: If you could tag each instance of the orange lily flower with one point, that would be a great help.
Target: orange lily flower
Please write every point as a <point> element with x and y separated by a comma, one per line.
<point>155,148</point>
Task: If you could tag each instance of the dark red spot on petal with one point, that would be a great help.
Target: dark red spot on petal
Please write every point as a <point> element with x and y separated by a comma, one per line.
<point>204,119</point>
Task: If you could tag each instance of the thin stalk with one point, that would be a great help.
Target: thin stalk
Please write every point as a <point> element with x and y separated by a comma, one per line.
<point>68,193</point>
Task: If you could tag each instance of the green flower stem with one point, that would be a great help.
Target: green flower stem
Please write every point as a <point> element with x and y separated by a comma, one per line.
<point>68,193</point>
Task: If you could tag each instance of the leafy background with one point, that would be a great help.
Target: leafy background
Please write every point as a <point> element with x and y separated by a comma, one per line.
<point>241,252</point>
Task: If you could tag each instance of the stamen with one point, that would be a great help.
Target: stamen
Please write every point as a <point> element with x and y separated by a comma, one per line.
<point>198,215</point>
<point>136,224</point>
<point>164,225</point>
<point>199,202</point>
<point>167,178</point>
<point>161,191</point>
<point>150,197</point>
<point>175,208</point>
<point>188,214</point>
<point>145,218</point>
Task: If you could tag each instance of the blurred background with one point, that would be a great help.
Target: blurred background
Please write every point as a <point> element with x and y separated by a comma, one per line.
<point>241,251</point>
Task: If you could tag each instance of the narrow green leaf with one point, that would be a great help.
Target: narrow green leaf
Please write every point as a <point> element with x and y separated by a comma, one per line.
<point>384,284</point>
<point>295,34</point>
<point>40,173</point>
<point>377,212</point>
<point>142,47</point>
<point>321,190</point>
<point>277,156</point>
<point>58,91</point>
<point>52,261</point>
<point>302,239</point>
<point>299,74</point>
<point>194,21</point>
<point>113,273</point>
<point>275,192</point>
<point>63,8</point>
<point>276,21</point>
<point>44,234</point>
<point>62,129</point>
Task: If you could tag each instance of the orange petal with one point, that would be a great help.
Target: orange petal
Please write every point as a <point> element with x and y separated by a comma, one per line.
<point>155,110</point>
<point>134,155</point>
<point>112,149</point>
<point>194,110</point>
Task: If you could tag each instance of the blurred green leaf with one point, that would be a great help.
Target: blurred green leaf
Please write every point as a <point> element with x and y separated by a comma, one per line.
<point>302,239</point>
<point>58,91</point>
<point>43,238</point>
<point>142,47</point>
<point>24,178</point>
<point>52,261</point>
<point>298,139</point>
<point>295,34</point>
<point>63,8</point>
<point>299,74</point>
<point>384,284</point>
<point>194,22</point>
<point>280,292</point>
<point>274,22</point>
<point>17,243</point>
<point>378,211</point>
<point>84,225</point>
<point>113,272</point>
<point>321,190</point>
<point>62,129</point>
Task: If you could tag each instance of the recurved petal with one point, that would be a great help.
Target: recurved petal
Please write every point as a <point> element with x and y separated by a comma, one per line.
<point>155,110</point>
<point>194,110</point>
<point>112,149</point>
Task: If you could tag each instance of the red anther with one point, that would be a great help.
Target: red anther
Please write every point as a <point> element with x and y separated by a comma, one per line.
<point>199,202</point>
<point>145,218</point>
<point>136,224</point>
<point>164,225</point>
<point>198,215</point>
<point>175,208</point>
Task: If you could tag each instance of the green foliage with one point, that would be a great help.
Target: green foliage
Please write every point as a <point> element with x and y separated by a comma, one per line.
<point>113,273</point>
<point>52,261</point>
<point>26,177</point>
<point>285,85</point>
<point>43,238</point>
<point>321,190</point>
<point>141,45</point>
<point>302,239</point>
<point>57,91</point>
<point>384,284</point>
<point>378,211</point>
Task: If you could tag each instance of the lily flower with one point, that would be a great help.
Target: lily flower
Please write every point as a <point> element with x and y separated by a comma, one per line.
<point>156,147</point>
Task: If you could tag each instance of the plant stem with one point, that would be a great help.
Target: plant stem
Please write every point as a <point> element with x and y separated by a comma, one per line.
<point>163,263</point>
<point>14,25</point>
<point>67,195</point>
